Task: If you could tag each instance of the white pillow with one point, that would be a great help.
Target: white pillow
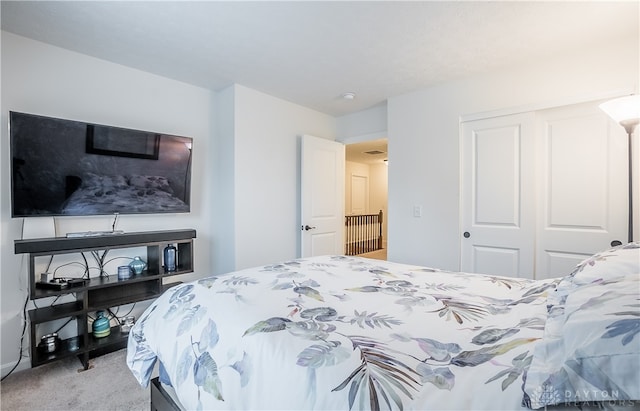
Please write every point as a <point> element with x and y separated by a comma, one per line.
<point>591,346</point>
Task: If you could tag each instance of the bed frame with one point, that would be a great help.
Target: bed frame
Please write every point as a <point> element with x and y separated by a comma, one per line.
<point>160,399</point>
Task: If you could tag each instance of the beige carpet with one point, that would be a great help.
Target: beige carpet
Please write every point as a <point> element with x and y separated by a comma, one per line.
<point>108,385</point>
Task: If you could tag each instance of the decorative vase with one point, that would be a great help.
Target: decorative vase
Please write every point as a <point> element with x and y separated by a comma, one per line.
<point>170,262</point>
<point>137,265</point>
<point>101,327</point>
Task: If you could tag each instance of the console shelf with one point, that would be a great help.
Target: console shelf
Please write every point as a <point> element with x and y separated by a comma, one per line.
<point>99,293</point>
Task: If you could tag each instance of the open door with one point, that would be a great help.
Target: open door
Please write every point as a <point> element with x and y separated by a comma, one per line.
<point>322,196</point>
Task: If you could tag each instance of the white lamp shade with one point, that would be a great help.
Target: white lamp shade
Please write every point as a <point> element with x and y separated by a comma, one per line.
<point>623,109</point>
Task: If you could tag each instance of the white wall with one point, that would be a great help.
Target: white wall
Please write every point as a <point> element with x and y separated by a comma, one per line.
<point>42,79</point>
<point>424,138</point>
<point>364,125</point>
<point>266,173</point>
<point>223,249</point>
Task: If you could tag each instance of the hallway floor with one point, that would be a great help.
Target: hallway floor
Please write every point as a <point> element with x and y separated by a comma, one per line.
<point>378,254</point>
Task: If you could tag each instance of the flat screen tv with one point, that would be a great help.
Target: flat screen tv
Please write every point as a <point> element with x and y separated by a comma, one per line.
<point>71,168</point>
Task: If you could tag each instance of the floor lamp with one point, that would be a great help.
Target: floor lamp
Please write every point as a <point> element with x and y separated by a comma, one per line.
<point>626,112</point>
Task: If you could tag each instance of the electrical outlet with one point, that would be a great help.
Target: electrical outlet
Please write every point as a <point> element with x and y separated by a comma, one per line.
<point>417,211</point>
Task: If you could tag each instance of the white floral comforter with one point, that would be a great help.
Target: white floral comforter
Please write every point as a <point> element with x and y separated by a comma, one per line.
<point>341,333</point>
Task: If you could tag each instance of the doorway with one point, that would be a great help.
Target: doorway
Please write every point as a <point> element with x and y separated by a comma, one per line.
<point>366,184</point>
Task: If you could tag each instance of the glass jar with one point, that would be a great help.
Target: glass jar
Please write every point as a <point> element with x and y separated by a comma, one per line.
<point>127,323</point>
<point>124,272</point>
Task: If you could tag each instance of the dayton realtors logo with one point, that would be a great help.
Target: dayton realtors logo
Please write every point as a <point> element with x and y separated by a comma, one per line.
<point>548,395</point>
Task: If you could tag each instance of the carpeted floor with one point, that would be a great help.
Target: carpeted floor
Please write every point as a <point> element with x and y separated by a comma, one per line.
<point>107,385</point>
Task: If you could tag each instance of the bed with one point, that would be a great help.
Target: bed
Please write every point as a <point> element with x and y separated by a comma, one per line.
<point>350,333</point>
<point>103,194</point>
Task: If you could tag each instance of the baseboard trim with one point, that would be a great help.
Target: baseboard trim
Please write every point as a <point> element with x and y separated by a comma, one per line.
<point>24,365</point>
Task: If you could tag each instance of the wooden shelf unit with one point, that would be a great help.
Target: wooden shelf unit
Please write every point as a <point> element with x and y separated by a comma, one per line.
<point>99,293</point>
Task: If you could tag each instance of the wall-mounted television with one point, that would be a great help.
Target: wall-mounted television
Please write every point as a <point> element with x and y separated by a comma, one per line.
<point>71,168</point>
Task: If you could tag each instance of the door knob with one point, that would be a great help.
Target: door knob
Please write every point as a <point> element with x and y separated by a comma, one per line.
<point>308,227</point>
<point>466,234</point>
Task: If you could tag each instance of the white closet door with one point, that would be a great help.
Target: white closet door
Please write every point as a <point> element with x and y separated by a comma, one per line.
<point>498,196</point>
<point>582,201</point>
<point>542,191</point>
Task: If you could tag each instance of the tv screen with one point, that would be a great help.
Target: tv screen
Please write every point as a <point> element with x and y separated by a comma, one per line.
<point>71,168</point>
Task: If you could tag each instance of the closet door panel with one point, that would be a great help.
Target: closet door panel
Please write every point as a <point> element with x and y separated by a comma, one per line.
<point>582,197</point>
<point>498,203</point>
<point>493,260</point>
<point>560,262</point>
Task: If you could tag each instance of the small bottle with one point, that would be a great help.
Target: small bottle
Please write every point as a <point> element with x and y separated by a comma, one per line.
<point>170,258</point>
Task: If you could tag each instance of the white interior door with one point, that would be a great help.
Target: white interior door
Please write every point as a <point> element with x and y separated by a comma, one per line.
<point>322,164</point>
<point>498,196</point>
<point>582,201</point>
<point>359,195</point>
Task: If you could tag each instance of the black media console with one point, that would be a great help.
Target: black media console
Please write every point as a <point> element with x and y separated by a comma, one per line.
<point>98,293</point>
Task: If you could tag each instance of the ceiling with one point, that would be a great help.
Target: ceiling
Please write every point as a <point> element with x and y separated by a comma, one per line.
<point>310,53</point>
<point>367,152</point>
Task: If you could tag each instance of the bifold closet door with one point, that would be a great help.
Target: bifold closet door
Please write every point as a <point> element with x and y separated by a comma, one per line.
<point>582,196</point>
<point>542,190</point>
<point>498,196</point>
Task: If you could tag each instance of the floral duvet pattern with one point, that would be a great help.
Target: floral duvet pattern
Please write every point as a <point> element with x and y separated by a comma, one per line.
<point>343,333</point>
